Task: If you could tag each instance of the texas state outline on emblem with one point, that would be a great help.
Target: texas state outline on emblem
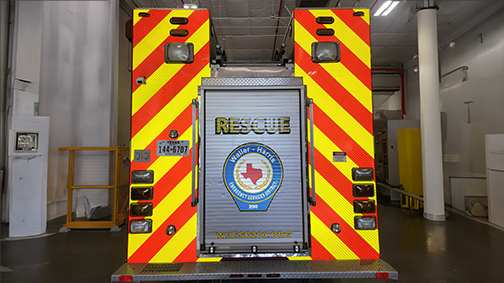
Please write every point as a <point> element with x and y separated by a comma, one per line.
<point>253,173</point>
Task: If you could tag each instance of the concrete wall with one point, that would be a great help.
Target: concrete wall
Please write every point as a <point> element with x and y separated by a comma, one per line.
<point>482,50</point>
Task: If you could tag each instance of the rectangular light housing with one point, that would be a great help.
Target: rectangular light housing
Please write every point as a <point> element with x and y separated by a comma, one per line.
<point>142,177</point>
<point>141,209</point>
<point>141,226</point>
<point>142,193</point>
<point>364,206</point>
<point>325,52</point>
<point>325,31</point>
<point>179,21</point>
<point>325,20</point>
<point>179,32</point>
<point>177,52</point>
<point>362,174</point>
<point>365,222</point>
<point>363,190</point>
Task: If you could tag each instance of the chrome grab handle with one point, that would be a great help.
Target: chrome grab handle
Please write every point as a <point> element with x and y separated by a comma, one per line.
<point>194,198</point>
<point>312,199</point>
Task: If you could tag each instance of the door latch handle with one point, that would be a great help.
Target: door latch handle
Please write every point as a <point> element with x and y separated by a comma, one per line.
<point>194,197</point>
<point>312,199</point>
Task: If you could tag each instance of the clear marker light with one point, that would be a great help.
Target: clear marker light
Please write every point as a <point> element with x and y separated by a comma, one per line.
<point>325,52</point>
<point>365,222</point>
<point>362,174</point>
<point>179,52</point>
<point>140,226</point>
<point>142,176</point>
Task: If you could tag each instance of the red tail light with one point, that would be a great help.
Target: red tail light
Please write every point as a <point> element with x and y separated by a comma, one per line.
<point>126,278</point>
<point>382,275</point>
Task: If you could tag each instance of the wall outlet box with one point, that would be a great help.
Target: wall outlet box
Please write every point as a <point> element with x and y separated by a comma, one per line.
<point>450,158</point>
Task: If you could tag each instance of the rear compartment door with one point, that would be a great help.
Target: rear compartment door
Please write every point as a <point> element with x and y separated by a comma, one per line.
<point>252,187</point>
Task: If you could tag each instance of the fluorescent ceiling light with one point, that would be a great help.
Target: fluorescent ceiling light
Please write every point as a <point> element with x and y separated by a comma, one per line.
<point>382,8</point>
<point>386,8</point>
<point>392,6</point>
<point>190,6</point>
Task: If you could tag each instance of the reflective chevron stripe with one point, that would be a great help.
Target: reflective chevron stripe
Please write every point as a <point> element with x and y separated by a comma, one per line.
<point>160,105</point>
<point>343,121</point>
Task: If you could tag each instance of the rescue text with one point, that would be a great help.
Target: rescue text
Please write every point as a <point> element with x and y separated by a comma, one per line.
<point>259,125</point>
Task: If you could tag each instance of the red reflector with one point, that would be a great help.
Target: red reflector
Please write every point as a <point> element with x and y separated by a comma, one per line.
<point>236,275</point>
<point>127,278</point>
<point>358,14</point>
<point>382,275</point>
<point>273,275</point>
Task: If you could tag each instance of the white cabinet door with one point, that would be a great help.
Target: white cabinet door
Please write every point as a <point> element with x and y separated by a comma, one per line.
<point>496,197</point>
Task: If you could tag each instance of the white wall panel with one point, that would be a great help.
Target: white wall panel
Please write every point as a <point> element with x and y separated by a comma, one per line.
<point>480,49</point>
<point>76,84</point>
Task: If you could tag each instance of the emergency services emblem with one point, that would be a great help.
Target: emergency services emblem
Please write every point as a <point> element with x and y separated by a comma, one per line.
<point>253,173</point>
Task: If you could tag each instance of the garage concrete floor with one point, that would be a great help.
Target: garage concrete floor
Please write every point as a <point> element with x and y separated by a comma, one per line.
<point>458,250</point>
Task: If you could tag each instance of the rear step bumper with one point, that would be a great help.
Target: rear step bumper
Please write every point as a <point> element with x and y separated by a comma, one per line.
<point>265,269</point>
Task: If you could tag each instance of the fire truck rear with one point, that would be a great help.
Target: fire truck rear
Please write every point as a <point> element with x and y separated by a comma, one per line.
<point>252,172</point>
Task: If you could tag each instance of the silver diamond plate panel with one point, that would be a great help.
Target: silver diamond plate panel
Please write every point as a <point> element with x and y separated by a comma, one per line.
<point>251,81</point>
<point>285,269</point>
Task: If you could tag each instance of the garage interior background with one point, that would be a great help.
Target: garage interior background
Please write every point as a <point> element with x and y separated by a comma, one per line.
<point>78,60</point>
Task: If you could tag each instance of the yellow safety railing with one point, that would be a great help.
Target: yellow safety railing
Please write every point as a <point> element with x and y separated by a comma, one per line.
<point>118,183</point>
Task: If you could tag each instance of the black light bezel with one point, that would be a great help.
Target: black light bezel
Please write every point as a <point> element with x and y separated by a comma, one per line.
<point>138,196</point>
<point>144,204</point>
<point>355,189</point>
<point>359,209</point>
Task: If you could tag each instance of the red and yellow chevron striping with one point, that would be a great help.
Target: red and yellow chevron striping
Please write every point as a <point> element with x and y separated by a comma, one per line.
<point>342,122</point>
<point>162,104</point>
<point>342,117</point>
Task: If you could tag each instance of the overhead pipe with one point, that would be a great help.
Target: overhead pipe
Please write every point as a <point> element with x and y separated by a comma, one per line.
<point>463,68</point>
<point>289,29</point>
<point>401,73</point>
<point>276,31</point>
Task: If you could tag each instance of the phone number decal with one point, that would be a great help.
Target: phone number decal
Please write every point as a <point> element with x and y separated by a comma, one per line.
<point>254,235</point>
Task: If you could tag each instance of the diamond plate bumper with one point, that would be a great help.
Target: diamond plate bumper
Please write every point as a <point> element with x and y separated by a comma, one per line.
<point>250,269</point>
